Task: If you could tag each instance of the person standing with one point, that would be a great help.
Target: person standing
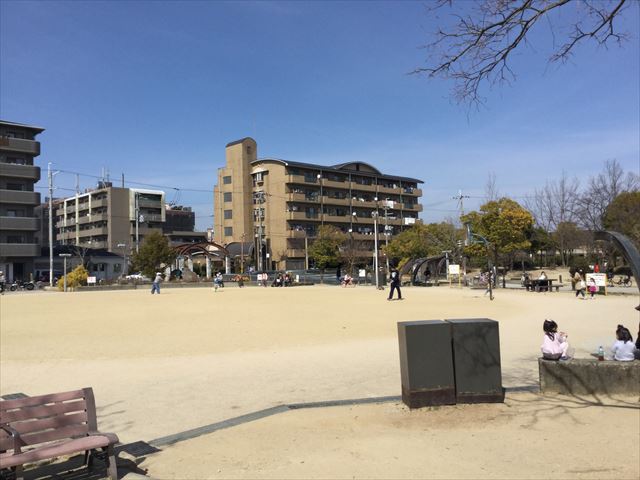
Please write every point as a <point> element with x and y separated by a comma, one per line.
<point>155,286</point>
<point>1,282</point>
<point>394,281</point>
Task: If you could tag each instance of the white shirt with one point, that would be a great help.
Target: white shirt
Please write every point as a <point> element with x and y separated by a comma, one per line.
<point>623,352</point>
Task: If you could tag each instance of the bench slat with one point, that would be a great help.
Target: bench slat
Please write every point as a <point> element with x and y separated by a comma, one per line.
<point>55,434</point>
<point>40,400</point>
<point>42,411</point>
<point>33,426</point>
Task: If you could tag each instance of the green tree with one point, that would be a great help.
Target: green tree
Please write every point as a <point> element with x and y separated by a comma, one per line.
<point>623,215</point>
<point>325,249</point>
<point>505,224</point>
<point>423,241</point>
<point>154,252</point>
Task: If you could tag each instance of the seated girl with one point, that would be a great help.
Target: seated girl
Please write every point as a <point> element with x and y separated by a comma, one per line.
<point>554,344</point>
<point>623,349</point>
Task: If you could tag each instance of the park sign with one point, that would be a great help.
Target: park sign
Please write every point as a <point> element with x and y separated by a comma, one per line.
<point>454,269</point>
<point>599,278</point>
<point>91,280</point>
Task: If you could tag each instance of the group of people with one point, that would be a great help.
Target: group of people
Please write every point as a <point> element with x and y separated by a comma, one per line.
<point>555,345</point>
<point>281,280</point>
<point>582,286</point>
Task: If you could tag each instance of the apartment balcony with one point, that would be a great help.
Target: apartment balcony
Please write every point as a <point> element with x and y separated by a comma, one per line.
<point>151,217</point>
<point>344,185</point>
<point>362,236</point>
<point>302,216</point>
<point>19,197</point>
<point>144,203</point>
<point>295,252</point>
<point>21,145</point>
<point>103,202</point>
<point>296,234</point>
<point>94,231</point>
<point>19,223</point>
<point>389,190</point>
<point>19,250</point>
<point>409,191</point>
<point>336,218</point>
<point>365,203</point>
<point>362,187</point>
<point>301,197</point>
<point>301,179</point>
<point>28,172</point>
<point>336,201</point>
<point>413,207</point>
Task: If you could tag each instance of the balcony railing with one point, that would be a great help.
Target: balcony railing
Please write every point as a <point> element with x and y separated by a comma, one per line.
<point>19,197</point>
<point>19,250</point>
<point>19,223</point>
<point>29,172</point>
<point>20,145</point>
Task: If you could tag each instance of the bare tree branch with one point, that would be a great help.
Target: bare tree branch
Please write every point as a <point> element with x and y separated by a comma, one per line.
<point>477,48</point>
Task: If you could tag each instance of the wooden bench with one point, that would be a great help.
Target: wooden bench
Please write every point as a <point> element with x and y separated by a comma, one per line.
<point>50,426</point>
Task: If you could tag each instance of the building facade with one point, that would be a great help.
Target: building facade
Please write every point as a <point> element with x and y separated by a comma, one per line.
<point>281,204</point>
<point>18,175</point>
<point>110,218</point>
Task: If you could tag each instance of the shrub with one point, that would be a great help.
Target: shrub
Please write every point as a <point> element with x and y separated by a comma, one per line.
<point>75,278</point>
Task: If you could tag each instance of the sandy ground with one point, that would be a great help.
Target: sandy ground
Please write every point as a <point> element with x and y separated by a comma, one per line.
<point>164,364</point>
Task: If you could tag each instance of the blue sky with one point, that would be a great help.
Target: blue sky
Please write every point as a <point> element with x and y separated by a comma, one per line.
<point>156,89</point>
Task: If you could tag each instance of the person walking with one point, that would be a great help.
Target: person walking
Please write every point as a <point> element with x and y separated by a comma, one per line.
<point>2,281</point>
<point>155,286</point>
<point>394,281</point>
<point>581,286</point>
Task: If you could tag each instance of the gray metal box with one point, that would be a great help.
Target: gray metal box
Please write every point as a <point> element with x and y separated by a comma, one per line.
<point>426,364</point>
<point>476,359</point>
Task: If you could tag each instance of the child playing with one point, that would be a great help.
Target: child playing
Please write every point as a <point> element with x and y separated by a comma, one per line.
<point>623,349</point>
<point>554,344</point>
<point>593,288</point>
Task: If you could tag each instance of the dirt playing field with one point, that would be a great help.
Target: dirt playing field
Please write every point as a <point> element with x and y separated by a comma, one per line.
<point>160,365</point>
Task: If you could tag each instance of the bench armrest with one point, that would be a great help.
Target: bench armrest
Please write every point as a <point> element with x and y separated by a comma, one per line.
<point>17,441</point>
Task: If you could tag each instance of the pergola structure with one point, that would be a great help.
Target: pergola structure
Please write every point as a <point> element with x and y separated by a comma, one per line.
<point>213,252</point>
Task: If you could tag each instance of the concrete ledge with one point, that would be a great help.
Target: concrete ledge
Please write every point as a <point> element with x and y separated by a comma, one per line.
<point>589,376</point>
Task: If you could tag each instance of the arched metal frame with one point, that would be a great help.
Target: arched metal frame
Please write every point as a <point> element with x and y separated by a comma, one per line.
<point>188,249</point>
<point>418,266</point>
<point>626,247</point>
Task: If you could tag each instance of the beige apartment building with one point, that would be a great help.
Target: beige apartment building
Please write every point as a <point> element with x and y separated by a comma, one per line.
<point>110,218</point>
<point>281,204</point>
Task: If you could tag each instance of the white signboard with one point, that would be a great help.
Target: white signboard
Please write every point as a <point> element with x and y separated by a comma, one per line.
<point>600,278</point>
<point>454,269</point>
<point>409,221</point>
<point>362,273</point>
<point>91,280</point>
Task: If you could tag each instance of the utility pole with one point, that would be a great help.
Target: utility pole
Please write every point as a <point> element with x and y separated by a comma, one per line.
<point>306,251</point>
<point>386,232</point>
<point>374,214</point>
<point>460,197</point>
<point>260,199</point>
<point>137,211</point>
<point>242,254</point>
<point>321,200</point>
<point>50,176</point>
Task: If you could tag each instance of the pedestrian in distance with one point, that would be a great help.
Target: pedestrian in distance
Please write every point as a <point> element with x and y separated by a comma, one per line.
<point>2,281</point>
<point>581,285</point>
<point>394,281</point>
<point>155,286</point>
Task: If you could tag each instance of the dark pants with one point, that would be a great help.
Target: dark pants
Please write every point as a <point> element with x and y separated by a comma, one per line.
<point>395,286</point>
<point>580,291</point>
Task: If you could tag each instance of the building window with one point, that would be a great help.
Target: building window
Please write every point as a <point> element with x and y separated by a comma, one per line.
<point>16,161</point>
<point>228,231</point>
<point>226,180</point>
<point>16,186</point>
<point>228,196</point>
<point>228,214</point>
<point>117,267</point>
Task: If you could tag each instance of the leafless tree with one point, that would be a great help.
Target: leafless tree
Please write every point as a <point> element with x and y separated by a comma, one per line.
<point>600,192</point>
<point>555,203</point>
<point>477,48</point>
<point>491,191</point>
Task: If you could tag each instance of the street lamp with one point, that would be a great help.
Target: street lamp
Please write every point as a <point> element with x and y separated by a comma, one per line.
<point>65,256</point>
<point>470,237</point>
<point>374,214</point>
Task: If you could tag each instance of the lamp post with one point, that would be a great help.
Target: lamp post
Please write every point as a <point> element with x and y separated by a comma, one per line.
<point>374,214</point>
<point>470,237</point>
<point>242,254</point>
<point>65,256</point>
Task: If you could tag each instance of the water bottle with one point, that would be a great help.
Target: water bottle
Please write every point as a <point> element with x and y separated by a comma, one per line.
<point>600,353</point>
